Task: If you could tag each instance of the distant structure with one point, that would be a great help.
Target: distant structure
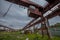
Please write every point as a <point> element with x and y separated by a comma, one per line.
<point>5,28</point>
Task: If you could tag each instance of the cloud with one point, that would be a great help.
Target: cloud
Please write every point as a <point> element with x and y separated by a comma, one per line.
<point>42,3</point>
<point>54,20</point>
<point>17,16</point>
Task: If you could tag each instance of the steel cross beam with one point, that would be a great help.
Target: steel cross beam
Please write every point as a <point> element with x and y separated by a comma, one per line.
<point>30,23</point>
<point>51,5</point>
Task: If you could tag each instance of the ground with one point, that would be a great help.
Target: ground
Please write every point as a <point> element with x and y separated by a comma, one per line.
<point>19,36</point>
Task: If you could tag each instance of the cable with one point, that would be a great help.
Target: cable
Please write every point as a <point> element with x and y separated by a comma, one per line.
<point>7,10</point>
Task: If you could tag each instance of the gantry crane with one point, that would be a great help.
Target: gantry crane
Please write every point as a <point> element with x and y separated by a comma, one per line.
<point>38,11</point>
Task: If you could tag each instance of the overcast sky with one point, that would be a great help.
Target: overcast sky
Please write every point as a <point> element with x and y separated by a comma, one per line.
<point>17,16</point>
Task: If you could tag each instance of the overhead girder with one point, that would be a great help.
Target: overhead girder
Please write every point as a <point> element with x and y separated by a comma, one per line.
<point>34,14</point>
<point>25,3</point>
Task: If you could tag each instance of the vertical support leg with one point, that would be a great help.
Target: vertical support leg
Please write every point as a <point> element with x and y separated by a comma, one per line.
<point>42,25</point>
<point>34,28</point>
<point>42,33</point>
<point>47,28</point>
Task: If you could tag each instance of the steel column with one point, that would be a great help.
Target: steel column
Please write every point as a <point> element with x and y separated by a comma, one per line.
<point>47,28</point>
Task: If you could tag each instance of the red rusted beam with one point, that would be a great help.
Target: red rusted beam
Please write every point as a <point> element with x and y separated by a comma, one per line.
<point>34,13</point>
<point>25,3</point>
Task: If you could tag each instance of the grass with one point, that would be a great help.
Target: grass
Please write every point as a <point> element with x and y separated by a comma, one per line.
<point>19,36</point>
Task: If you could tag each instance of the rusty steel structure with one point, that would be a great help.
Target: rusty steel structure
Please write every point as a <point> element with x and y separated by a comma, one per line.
<point>53,14</point>
<point>39,11</point>
<point>48,17</point>
<point>48,7</point>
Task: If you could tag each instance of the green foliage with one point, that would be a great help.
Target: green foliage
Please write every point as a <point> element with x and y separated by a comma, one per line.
<point>56,25</point>
<point>18,36</point>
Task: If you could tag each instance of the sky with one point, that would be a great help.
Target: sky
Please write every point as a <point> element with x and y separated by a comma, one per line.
<point>17,16</point>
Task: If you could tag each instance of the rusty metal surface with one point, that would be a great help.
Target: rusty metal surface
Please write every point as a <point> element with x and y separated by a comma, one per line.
<point>25,3</point>
<point>34,13</point>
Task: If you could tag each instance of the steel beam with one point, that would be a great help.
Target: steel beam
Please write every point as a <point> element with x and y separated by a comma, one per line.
<point>29,23</point>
